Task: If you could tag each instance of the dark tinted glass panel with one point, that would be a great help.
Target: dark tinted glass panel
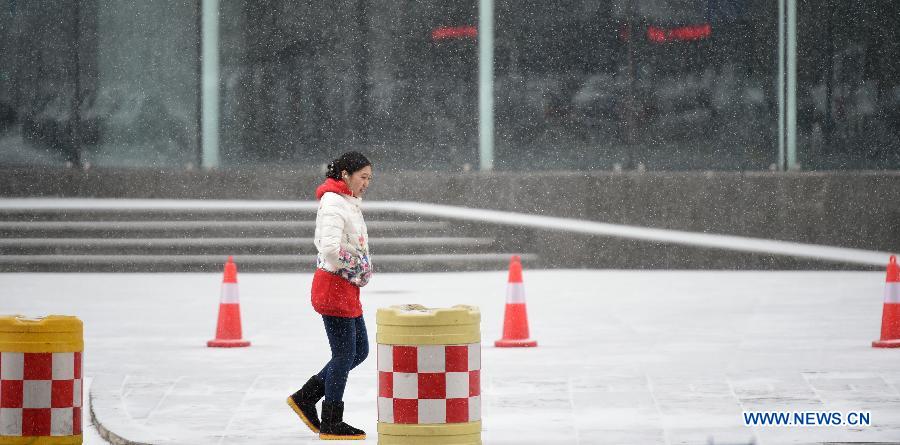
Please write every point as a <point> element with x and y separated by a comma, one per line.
<point>663,84</point>
<point>849,85</point>
<point>98,82</point>
<point>304,81</point>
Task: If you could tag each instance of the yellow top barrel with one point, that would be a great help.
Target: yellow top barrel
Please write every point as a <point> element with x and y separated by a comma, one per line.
<point>40,370</point>
<point>429,375</point>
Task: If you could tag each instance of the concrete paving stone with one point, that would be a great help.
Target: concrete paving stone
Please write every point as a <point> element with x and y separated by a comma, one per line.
<point>636,436</point>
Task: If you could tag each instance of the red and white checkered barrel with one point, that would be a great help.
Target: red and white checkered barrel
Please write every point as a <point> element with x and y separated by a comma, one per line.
<point>429,375</point>
<point>40,380</point>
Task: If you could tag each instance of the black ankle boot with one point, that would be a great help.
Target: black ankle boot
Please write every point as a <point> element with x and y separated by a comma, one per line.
<point>333,426</point>
<point>303,402</point>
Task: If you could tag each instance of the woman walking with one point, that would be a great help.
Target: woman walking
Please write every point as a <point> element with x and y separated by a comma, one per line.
<point>342,267</point>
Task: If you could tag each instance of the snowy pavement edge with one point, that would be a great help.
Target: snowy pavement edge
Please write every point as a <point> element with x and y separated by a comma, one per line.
<point>112,414</point>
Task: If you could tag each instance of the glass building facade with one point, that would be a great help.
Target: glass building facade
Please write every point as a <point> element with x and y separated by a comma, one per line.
<point>578,84</point>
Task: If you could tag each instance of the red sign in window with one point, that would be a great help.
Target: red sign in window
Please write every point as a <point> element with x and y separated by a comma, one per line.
<point>679,34</point>
<point>454,32</point>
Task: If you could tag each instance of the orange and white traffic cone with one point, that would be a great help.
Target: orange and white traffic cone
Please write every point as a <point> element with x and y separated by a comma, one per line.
<point>890,319</point>
<point>228,329</point>
<point>515,320</point>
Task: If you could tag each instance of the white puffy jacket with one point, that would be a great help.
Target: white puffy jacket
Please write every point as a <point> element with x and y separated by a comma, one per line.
<point>342,238</point>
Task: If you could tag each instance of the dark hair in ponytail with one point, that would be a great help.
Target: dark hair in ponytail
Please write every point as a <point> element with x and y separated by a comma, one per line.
<point>351,162</point>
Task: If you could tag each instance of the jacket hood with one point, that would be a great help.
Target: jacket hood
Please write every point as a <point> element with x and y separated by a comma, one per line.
<point>333,185</point>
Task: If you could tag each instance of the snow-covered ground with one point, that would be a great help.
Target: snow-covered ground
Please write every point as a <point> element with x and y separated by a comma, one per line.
<point>637,357</point>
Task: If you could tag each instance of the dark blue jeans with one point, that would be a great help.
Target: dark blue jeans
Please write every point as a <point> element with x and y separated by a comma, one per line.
<point>349,347</point>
